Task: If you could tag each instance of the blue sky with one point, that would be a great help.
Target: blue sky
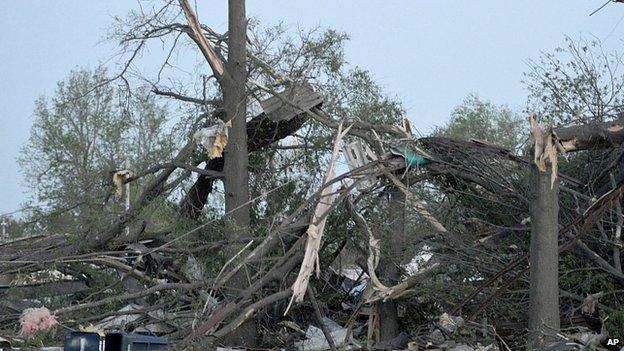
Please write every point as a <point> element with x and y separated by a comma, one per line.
<point>429,54</point>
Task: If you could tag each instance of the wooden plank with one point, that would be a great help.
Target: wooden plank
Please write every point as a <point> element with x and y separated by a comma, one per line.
<point>302,96</point>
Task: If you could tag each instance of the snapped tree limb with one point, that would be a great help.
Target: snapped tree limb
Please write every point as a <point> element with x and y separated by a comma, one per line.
<point>197,35</point>
<point>591,136</point>
<point>315,230</point>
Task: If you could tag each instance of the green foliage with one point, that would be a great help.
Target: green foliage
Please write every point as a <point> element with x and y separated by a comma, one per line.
<point>289,176</point>
<point>478,119</point>
<point>15,227</point>
<point>356,96</point>
<point>583,277</point>
<point>41,340</point>
<point>615,323</point>
<point>79,136</point>
<point>578,82</point>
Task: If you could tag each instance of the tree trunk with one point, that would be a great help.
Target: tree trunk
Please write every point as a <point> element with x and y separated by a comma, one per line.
<point>236,158</point>
<point>388,266</point>
<point>235,101</point>
<point>544,259</point>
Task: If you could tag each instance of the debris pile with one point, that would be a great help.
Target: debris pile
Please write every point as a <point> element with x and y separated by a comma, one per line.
<point>458,208</point>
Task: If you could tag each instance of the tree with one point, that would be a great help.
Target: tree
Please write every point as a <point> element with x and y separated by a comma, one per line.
<point>577,83</point>
<point>478,191</point>
<point>544,253</point>
<point>389,265</point>
<point>236,166</point>
<point>478,119</point>
<point>78,138</point>
<point>580,85</point>
<point>235,103</point>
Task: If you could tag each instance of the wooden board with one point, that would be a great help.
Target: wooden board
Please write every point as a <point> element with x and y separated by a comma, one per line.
<point>302,96</point>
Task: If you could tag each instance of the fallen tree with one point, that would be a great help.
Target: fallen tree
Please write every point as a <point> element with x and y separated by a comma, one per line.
<point>459,209</point>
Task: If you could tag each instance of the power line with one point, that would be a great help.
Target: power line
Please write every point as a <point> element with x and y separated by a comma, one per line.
<point>601,7</point>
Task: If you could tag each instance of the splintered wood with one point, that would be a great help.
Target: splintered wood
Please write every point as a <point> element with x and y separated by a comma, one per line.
<point>315,230</point>
<point>214,138</point>
<point>545,144</point>
<point>119,178</point>
<point>197,35</point>
<point>374,249</point>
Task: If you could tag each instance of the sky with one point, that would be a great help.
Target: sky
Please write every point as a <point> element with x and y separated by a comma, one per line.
<point>428,54</point>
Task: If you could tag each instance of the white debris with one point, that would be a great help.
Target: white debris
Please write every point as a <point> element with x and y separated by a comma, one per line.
<point>357,155</point>
<point>589,338</point>
<point>316,341</point>
<point>193,270</point>
<point>205,137</point>
<point>450,323</point>
<point>358,289</point>
<point>419,261</point>
<point>462,348</point>
<point>213,138</point>
<point>352,273</point>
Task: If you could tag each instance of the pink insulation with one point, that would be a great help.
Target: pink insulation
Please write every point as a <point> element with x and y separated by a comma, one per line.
<point>35,320</point>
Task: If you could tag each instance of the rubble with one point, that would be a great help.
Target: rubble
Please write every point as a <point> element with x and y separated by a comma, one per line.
<point>399,342</point>
<point>194,285</point>
<point>462,348</point>
<point>564,346</point>
<point>589,305</point>
<point>478,347</point>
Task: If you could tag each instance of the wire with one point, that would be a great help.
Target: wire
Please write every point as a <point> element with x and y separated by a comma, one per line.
<point>601,7</point>
<point>614,28</point>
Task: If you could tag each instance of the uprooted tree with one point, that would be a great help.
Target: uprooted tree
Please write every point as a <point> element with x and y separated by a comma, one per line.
<point>221,230</point>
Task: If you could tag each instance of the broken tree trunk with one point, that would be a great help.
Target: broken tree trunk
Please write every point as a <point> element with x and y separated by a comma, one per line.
<point>544,258</point>
<point>389,264</point>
